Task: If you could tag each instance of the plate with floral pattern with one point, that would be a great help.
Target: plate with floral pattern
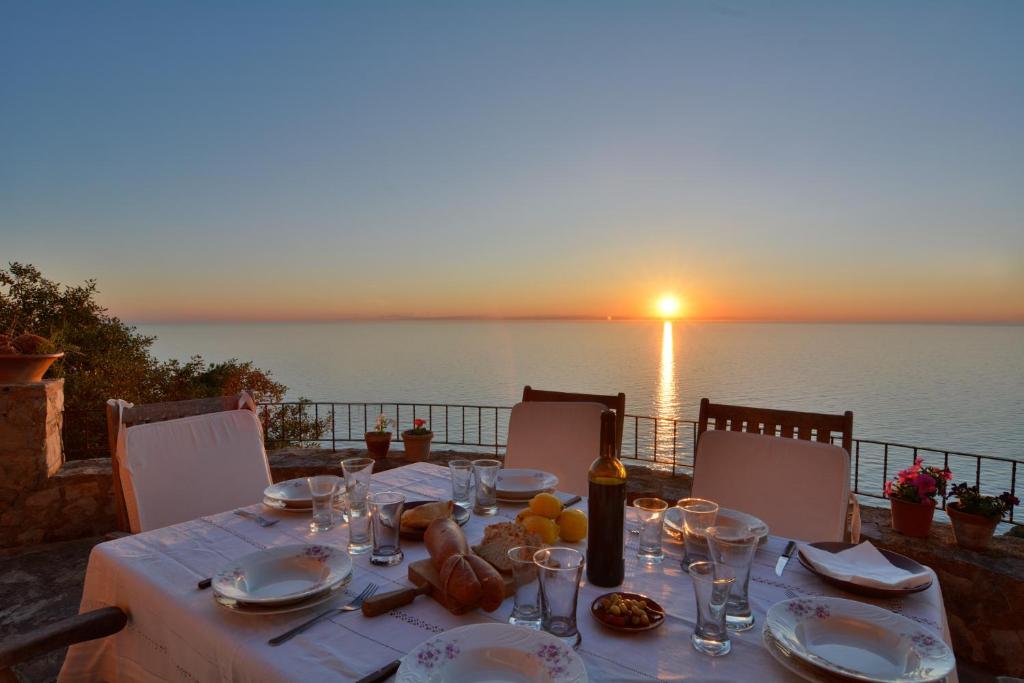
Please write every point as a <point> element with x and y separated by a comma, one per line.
<point>492,652</point>
<point>859,641</point>
<point>283,574</point>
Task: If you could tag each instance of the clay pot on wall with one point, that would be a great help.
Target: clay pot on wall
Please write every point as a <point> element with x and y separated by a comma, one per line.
<point>378,444</point>
<point>971,531</point>
<point>912,519</point>
<point>24,368</point>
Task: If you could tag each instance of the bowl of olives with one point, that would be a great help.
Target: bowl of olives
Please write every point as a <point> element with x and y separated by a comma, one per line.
<point>630,612</point>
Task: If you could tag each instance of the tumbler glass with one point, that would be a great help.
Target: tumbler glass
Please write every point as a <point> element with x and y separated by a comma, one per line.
<point>560,571</point>
<point>651,512</point>
<point>732,551</point>
<point>526,610</point>
<point>710,637</point>
<point>357,485</point>
<point>485,475</point>
<point>322,491</point>
<point>462,478</point>
<point>385,510</point>
<point>698,514</point>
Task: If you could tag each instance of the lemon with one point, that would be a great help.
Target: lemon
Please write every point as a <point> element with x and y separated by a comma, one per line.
<point>543,527</point>
<point>524,513</point>
<point>546,504</point>
<point>572,525</point>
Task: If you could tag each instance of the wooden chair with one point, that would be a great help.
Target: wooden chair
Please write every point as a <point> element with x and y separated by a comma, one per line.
<point>615,403</point>
<point>786,423</point>
<point>80,628</point>
<point>155,412</point>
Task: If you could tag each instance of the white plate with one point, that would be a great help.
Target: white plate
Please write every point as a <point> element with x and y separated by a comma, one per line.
<point>284,574</point>
<point>726,517</point>
<point>496,653</point>
<point>806,671</point>
<point>339,505</point>
<point>255,610</point>
<point>859,640</point>
<point>293,492</point>
<point>523,484</point>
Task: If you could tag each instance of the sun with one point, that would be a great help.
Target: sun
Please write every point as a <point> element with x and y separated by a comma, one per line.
<point>669,306</point>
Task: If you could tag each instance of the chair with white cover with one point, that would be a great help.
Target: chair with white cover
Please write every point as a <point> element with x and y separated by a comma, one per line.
<point>563,438</point>
<point>799,487</point>
<point>180,460</point>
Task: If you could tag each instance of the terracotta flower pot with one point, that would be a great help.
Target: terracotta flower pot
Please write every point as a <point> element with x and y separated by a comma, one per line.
<point>417,446</point>
<point>971,531</point>
<point>912,519</point>
<point>378,443</point>
<point>22,368</point>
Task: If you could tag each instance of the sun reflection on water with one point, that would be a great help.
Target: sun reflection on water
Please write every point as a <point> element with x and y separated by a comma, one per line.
<point>668,398</point>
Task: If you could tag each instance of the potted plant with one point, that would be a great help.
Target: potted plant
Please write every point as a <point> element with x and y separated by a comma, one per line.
<point>417,440</point>
<point>912,496</point>
<point>378,441</point>
<point>974,516</point>
<point>25,357</point>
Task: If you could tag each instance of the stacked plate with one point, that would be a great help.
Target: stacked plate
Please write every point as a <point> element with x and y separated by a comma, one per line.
<point>515,485</point>
<point>831,639</point>
<point>726,517</point>
<point>292,495</point>
<point>282,579</point>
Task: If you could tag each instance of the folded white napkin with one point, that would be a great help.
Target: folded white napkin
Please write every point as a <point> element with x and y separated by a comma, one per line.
<point>864,565</point>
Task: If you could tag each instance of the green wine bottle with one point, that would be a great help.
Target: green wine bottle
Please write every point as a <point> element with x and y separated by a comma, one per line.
<point>607,509</point>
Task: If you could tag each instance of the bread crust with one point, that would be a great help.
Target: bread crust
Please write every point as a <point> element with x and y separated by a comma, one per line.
<point>469,580</point>
<point>492,586</point>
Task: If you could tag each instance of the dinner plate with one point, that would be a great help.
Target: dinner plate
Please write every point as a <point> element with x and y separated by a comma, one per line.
<point>293,493</point>
<point>726,517</point>
<point>339,505</point>
<point>460,514</point>
<point>858,640</point>
<point>901,561</point>
<point>256,610</point>
<point>523,484</point>
<point>806,671</point>
<point>496,653</point>
<point>285,574</point>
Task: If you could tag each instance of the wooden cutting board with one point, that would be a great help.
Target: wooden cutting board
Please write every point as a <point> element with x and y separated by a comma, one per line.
<point>426,581</point>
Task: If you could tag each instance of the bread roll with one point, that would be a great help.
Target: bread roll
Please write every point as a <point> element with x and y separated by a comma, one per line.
<point>459,581</point>
<point>492,586</point>
<point>443,539</point>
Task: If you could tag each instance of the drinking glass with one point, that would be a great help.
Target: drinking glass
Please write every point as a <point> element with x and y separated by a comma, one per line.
<point>385,510</point>
<point>322,490</point>
<point>651,512</point>
<point>698,514</point>
<point>710,637</point>
<point>485,475</point>
<point>560,571</point>
<point>357,485</point>
<point>526,609</point>
<point>732,551</point>
<point>462,477</point>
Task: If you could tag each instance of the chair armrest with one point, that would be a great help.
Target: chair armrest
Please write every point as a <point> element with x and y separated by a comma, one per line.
<point>98,623</point>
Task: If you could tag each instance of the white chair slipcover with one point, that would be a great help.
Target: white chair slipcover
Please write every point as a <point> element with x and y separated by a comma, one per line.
<point>563,438</point>
<point>800,489</point>
<point>176,470</point>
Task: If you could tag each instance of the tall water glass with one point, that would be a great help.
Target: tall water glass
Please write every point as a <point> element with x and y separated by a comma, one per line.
<point>385,510</point>
<point>526,610</point>
<point>651,512</point>
<point>485,476</point>
<point>560,571</point>
<point>698,514</point>
<point>711,636</point>
<point>462,478</point>
<point>732,551</point>
<point>357,485</point>
<point>322,491</point>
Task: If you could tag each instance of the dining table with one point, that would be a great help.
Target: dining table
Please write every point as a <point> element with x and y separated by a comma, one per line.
<point>178,632</point>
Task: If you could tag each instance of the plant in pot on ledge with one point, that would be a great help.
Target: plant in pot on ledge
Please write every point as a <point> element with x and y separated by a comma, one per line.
<point>975,517</point>
<point>417,441</point>
<point>912,495</point>
<point>25,357</point>
<point>378,442</point>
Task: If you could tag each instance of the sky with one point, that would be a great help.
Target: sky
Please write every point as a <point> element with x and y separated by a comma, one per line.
<point>321,160</point>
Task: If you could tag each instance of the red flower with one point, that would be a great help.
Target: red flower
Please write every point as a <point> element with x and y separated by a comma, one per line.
<point>418,423</point>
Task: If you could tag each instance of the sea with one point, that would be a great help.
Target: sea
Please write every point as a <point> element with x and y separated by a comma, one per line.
<point>946,387</point>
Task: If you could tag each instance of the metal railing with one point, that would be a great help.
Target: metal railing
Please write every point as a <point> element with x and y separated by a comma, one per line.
<point>661,442</point>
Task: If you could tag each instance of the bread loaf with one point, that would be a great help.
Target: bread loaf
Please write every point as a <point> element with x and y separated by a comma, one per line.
<point>465,578</point>
<point>492,586</point>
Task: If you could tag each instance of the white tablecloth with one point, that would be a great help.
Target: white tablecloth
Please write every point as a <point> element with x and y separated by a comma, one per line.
<point>178,633</point>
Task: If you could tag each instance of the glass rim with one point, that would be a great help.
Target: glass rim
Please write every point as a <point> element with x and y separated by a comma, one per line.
<point>323,477</point>
<point>485,462</point>
<point>576,554</point>
<point>714,531</point>
<point>397,497</point>
<point>655,504</point>
<point>461,462</point>
<point>526,548</point>
<point>361,463</point>
<point>697,502</point>
<point>705,575</point>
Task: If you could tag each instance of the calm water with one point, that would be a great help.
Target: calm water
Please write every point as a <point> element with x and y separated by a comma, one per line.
<point>951,387</point>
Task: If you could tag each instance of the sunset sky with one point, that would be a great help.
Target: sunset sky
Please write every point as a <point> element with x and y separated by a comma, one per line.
<point>320,160</point>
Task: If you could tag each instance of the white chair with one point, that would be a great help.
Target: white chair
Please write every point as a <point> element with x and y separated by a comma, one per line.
<point>172,470</point>
<point>561,438</point>
<point>800,489</point>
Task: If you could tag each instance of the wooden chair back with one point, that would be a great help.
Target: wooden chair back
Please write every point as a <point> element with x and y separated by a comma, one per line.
<point>616,403</point>
<point>791,424</point>
<point>153,412</point>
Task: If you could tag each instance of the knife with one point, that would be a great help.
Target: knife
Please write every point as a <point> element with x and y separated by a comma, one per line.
<point>382,673</point>
<point>780,566</point>
<point>572,501</point>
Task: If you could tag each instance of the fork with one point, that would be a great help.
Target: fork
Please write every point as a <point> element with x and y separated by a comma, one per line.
<point>355,604</point>
<point>259,519</point>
